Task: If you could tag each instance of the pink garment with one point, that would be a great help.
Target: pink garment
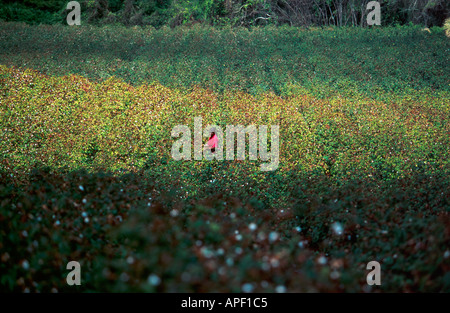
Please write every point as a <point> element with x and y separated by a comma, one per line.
<point>212,143</point>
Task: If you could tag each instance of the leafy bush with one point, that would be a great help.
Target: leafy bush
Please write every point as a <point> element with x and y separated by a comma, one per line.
<point>20,12</point>
<point>374,63</point>
<point>132,234</point>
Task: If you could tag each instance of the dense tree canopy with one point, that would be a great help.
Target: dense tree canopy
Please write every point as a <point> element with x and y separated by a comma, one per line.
<point>229,12</point>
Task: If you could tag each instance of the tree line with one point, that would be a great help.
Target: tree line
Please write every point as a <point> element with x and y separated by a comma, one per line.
<point>245,13</point>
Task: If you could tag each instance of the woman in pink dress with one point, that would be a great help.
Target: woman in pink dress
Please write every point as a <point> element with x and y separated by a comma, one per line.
<point>212,141</point>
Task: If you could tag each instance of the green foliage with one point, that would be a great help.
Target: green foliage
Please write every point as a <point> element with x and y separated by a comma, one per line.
<point>373,63</point>
<point>248,13</point>
<point>39,14</point>
<point>86,172</point>
<point>113,125</point>
<point>126,229</point>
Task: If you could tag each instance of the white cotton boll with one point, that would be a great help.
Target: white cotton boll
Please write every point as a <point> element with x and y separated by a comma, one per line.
<point>273,236</point>
<point>274,262</point>
<point>322,260</point>
<point>337,228</point>
<point>334,275</point>
<point>247,288</point>
<point>206,252</point>
<point>154,280</point>
<point>25,265</point>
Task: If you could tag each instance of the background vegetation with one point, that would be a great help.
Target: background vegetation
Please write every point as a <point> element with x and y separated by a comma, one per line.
<point>158,13</point>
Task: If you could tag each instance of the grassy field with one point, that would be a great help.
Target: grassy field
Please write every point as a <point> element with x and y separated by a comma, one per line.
<point>87,173</point>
